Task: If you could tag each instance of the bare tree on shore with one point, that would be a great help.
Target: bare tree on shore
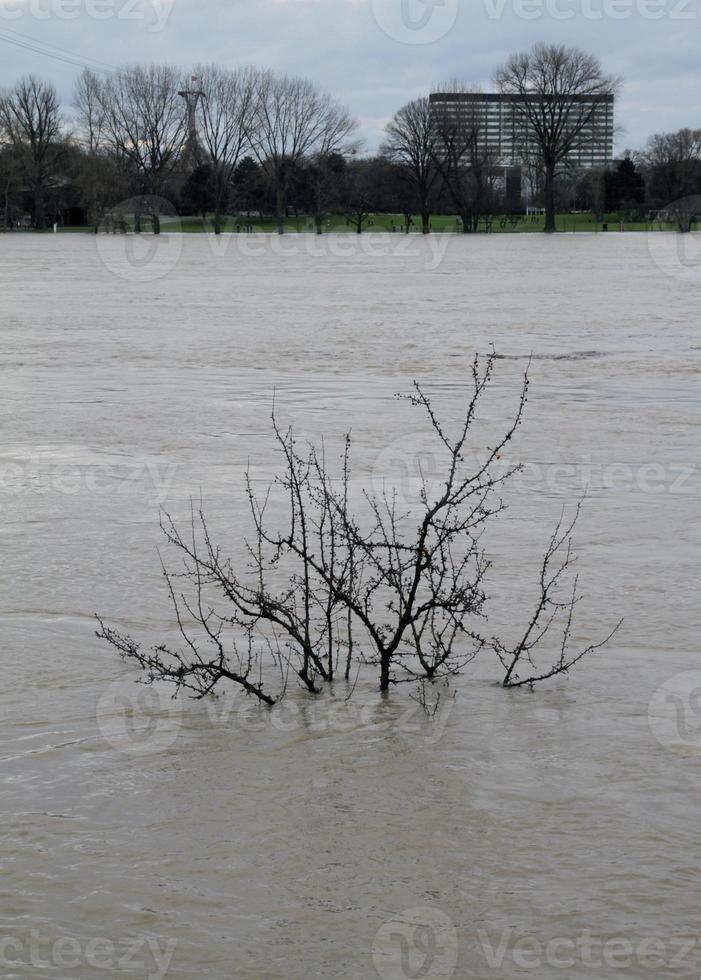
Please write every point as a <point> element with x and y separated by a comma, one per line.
<point>145,125</point>
<point>102,174</point>
<point>412,141</point>
<point>292,122</point>
<point>358,194</point>
<point>394,588</point>
<point>90,110</point>
<point>558,93</point>
<point>337,135</point>
<point>9,183</point>
<point>463,155</point>
<point>225,115</point>
<point>30,121</point>
<point>672,162</point>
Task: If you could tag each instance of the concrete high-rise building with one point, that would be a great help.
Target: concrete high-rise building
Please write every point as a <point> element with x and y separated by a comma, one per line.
<point>500,127</point>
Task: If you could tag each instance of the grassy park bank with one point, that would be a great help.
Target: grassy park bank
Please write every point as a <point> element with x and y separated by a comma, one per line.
<point>395,224</point>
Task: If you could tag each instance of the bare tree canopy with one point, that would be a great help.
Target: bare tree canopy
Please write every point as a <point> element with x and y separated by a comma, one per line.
<point>30,120</point>
<point>558,93</point>
<point>412,142</point>
<point>101,173</point>
<point>672,162</point>
<point>225,114</point>
<point>294,121</point>
<point>144,122</point>
<point>463,155</point>
<point>9,182</point>
<point>337,136</point>
<point>327,590</point>
<point>89,111</point>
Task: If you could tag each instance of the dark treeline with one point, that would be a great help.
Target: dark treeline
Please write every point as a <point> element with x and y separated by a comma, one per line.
<point>249,143</point>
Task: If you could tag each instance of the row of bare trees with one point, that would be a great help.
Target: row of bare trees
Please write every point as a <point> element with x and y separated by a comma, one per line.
<point>555,94</point>
<point>134,133</point>
<point>131,134</point>
<point>443,152</point>
<point>139,117</point>
<point>333,582</point>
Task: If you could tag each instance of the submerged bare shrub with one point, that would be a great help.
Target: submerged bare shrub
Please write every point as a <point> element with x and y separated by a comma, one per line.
<point>332,588</point>
<point>551,611</point>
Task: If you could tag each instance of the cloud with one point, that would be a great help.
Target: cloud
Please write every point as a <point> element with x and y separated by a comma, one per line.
<point>370,53</point>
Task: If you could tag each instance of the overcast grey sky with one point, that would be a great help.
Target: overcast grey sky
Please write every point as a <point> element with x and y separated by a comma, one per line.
<point>375,55</point>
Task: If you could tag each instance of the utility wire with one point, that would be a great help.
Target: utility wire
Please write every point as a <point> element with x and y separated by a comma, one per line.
<point>58,54</point>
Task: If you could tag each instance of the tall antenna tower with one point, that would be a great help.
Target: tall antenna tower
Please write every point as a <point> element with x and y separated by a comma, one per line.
<point>192,96</point>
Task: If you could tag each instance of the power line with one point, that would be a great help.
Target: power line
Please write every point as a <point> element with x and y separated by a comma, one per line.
<point>58,54</point>
<point>41,47</point>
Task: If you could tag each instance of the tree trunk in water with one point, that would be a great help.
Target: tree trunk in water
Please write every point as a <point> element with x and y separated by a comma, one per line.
<point>384,674</point>
<point>280,209</point>
<point>549,198</point>
<point>349,655</point>
<point>39,211</point>
<point>684,223</point>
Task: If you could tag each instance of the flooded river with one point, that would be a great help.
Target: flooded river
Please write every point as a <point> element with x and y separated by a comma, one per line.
<point>551,833</point>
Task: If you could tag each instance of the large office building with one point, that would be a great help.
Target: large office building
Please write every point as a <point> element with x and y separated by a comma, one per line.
<point>500,127</point>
